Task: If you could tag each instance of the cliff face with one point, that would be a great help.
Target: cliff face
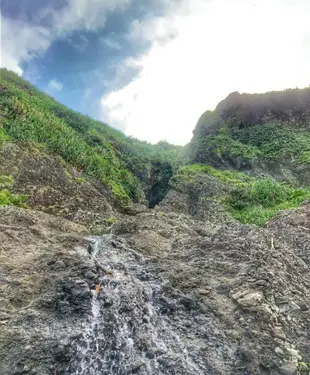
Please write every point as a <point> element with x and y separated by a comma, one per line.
<point>290,107</point>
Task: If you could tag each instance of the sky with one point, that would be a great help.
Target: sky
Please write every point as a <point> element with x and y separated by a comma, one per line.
<point>151,67</point>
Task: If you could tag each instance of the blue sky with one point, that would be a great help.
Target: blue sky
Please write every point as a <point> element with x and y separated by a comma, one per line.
<point>151,67</point>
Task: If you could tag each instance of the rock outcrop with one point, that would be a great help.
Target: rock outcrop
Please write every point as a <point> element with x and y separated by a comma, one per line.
<point>55,187</point>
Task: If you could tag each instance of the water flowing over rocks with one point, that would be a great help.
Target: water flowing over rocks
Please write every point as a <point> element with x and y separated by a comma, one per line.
<point>180,296</point>
<point>134,328</point>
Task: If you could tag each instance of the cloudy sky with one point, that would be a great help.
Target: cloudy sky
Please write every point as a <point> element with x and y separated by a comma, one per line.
<point>151,67</point>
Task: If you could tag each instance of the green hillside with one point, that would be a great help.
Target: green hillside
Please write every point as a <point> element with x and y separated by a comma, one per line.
<point>246,131</point>
<point>256,146</point>
<point>124,164</point>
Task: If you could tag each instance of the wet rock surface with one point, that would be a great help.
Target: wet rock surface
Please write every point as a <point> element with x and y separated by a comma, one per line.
<point>137,328</point>
<point>180,295</point>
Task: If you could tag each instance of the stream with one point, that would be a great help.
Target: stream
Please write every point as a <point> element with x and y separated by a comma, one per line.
<point>132,329</point>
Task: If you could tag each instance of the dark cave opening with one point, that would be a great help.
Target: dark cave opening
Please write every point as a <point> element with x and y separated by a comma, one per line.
<point>159,183</point>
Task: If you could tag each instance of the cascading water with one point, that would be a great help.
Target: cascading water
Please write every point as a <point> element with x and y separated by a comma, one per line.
<point>130,331</point>
<point>88,347</point>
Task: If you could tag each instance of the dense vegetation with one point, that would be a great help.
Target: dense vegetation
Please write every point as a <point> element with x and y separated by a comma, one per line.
<point>93,147</point>
<point>274,126</point>
<point>245,129</point>
<point>269,142</point>
<point>250,200</point>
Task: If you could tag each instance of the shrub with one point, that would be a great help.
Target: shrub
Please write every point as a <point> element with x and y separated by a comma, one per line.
<point>111,220</point>
<point>3,136</point>
<point>80,180</point>
<point>276,141</point>
<point>9,199</point>
<point>268,193</point>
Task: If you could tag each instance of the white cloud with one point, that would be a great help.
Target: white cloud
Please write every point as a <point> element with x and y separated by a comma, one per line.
<point>220,46</point>
<point>54,86</point>
<point>86,14</point>
<point>156,30</point>
<point>21,41</point>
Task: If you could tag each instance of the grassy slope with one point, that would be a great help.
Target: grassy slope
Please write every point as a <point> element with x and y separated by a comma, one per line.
<point>6,196</point>
<point>93,147</point>
<point>268,142</point>
<point>251,200</point>
<point>274,126</point>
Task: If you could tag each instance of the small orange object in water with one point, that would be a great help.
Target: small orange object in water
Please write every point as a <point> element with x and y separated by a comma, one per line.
<point>98,288</point>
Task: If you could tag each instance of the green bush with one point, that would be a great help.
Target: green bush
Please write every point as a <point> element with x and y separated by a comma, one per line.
<point>80,180</point>
<point>9,199</point>
<point>304,157</point>
<point>263,199</point>
<point>267,142</point>
<point>111,220</point>
<point>268,193</point>
<point>3,136</point>
<point>276,141</point>
<point>254,215</point>
<point>224,146</point>
<point>189,172</point>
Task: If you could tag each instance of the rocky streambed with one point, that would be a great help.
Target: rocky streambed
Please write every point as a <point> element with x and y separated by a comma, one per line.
<point>180,296</point>
<point>132,328</point>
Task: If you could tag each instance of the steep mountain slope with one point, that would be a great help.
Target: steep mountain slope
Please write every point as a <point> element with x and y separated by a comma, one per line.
<point>130,169</point>
<point>190,286</point>
<point>265,135</point>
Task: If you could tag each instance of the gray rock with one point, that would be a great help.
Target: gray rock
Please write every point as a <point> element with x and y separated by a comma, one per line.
<point>278,332</point>
<point>279,351</point>
<point>249,299</point>
<point>183,303</point>
<point>288,368</point>
<point>89,275</point>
